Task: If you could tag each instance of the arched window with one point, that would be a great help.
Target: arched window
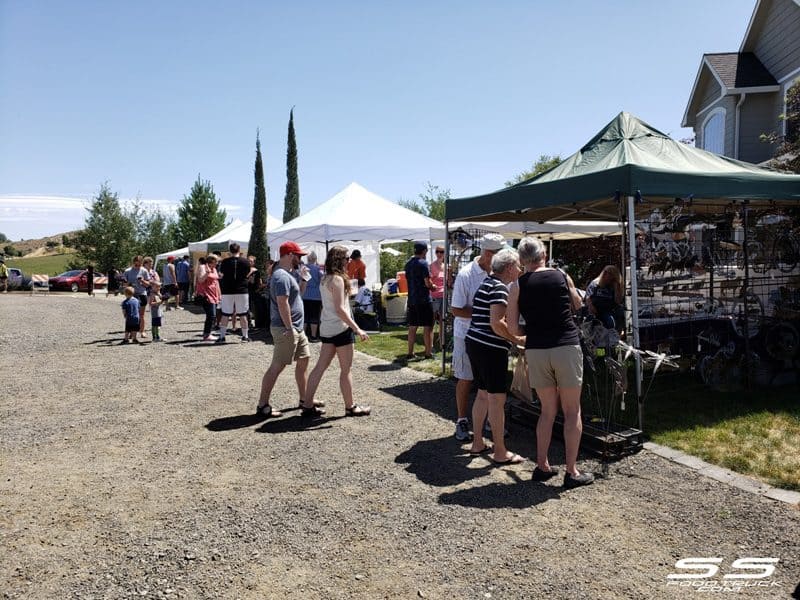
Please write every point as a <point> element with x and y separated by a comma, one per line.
<point>714,131</point>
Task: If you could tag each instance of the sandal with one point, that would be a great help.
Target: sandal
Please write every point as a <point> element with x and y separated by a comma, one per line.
<point>317,403</point>
<point>486,448</point>
<point>311,412</point>
<point>357,411</point>
<point>267,411</point>
<point>514,459</point>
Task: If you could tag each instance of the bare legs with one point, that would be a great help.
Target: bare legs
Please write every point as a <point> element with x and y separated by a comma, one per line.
<point>493,406</point>
<point>573,428</point>
<point>463,388</point>
<point>271,376</point>
<point>345,356</point>
<point>427,339</point>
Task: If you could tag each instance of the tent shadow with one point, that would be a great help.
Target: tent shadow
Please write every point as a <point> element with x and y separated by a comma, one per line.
<point>442,462</point>
<point>523,493</point>
<point>435,394</point>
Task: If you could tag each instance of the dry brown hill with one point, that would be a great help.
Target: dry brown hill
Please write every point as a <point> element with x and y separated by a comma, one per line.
<point>38,247</point>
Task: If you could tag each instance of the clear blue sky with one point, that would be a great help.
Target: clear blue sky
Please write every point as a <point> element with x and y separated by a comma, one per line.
<point>465,94</point>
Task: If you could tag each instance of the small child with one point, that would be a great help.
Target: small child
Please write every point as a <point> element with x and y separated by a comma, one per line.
<point>130,310</point>
<point>156,310</point>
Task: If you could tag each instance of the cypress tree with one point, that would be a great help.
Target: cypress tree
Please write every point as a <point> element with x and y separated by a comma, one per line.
<point>291,202</point>
<point>258,235</point>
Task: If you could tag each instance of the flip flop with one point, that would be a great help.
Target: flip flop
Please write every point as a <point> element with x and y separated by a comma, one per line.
<point>268,412</point>
<point>484,451</point>
<point>514,460</point>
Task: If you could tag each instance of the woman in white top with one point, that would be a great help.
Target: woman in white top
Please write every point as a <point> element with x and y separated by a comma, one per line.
<point>337,331</point>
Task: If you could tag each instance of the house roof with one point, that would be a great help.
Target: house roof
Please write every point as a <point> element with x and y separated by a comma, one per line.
<point>740,70</point>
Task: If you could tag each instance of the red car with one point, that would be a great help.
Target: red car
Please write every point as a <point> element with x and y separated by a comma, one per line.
<point>75,281</point>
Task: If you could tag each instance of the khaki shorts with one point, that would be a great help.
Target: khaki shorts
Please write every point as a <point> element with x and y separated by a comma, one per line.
<point>561,367</point>
<point>462,368</point>
<point>287,349</point>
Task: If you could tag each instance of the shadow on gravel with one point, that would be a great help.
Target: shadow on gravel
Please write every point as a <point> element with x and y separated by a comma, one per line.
<point>521,494</point>
<point>385,367</point>
<point>295,423</point>
<point>235,422</point>
<point>435,395</point>
<point>442,462</point>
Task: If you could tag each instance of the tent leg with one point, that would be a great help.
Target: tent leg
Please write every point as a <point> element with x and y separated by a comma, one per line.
<point>442,328</point>
<point>635,306</point>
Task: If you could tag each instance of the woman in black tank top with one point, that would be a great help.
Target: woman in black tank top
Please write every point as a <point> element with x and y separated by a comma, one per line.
<point>546,299</point>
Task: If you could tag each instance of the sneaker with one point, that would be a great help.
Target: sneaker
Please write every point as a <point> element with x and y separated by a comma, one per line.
<point>178,308</point>
<point>582,479</point>
<point>462,431</point>
<point>220,340</point>
<point>246,339</point>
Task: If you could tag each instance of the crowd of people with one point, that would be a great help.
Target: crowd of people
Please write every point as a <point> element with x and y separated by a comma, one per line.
<point>505,298</point>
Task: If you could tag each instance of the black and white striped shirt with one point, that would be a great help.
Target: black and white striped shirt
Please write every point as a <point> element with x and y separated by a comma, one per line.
<point>491,291</point>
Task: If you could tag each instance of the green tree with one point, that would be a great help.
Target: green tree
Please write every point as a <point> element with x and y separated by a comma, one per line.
<point>431,202</point>
<point>156,233</point>
<point>3,238</point>
<point>108,236</point>
<point>787,150</point>
<point>544,163</point>
<point>291,202</point>
<point>258,234</point>
<point>199,214</point>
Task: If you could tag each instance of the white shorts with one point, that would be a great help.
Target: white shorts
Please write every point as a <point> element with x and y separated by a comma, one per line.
<point>239,302</point>
<point>462,368</point>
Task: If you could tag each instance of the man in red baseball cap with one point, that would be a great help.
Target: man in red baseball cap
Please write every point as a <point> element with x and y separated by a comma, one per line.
<point>288,330</point>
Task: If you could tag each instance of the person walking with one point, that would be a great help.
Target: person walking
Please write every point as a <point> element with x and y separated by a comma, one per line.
<point>234,273</point>
<point>467,282</point>
<point>288,334</point>
<point>488,340</point>
<point>419,311</point>
<point>546,298</point>
<point>337,333</point>
<point>207,292</point>
<point>312,298</point>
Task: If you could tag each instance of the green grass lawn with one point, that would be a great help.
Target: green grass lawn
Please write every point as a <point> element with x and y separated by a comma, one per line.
<point>755,433</point>
<point>50,265</point>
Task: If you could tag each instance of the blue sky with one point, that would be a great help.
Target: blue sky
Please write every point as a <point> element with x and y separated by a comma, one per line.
<point>465,94</point>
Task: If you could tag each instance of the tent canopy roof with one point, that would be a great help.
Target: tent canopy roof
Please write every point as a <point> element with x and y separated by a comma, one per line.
<point>237,231</point>
<point>355,214</point>
<point>628,157</point>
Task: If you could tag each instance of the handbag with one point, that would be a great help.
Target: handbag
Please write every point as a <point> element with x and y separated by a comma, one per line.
<point>520,384</point>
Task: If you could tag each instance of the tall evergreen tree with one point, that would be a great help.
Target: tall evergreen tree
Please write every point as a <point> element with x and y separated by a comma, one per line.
<point>291,202</point>
<point>108,237</point>
<point>199,214</point>
<point>258,235</point>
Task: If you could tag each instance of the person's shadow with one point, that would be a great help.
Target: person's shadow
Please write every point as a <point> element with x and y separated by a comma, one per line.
<point>521,493</point>
<point>235,422</point>
<point>442,462</point>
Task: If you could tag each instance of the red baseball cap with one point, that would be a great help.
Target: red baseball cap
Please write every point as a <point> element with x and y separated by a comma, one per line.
<point>291,248</point>
<point>170,258</point>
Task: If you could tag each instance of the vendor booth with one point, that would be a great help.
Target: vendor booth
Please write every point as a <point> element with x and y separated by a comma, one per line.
<point>632,172</point>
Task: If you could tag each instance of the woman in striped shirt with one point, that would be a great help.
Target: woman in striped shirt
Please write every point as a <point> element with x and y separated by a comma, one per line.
<point>488,340</point>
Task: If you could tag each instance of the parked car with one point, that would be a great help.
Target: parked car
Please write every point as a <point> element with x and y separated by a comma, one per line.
<point>75,281</point>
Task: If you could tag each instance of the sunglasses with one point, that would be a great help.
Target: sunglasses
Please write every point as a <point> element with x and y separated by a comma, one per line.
<point>440,252</point>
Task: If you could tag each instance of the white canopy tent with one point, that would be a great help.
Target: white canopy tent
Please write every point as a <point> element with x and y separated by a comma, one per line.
<point>238,231</point>
<point>356,218</point>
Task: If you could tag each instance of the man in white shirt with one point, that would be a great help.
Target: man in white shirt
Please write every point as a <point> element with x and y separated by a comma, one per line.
<point>467,282</point>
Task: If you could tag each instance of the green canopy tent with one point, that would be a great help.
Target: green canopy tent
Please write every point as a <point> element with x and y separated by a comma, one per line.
<point>628,157</point>
<point>626,160</point>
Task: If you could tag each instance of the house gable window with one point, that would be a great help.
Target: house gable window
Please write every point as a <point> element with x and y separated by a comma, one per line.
<point>714,131</point>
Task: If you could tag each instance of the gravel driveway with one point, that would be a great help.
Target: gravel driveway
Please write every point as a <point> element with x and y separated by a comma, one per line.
<point>139,471</point>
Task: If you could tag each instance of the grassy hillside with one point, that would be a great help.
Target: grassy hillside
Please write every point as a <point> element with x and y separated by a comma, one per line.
<point>50,265</point>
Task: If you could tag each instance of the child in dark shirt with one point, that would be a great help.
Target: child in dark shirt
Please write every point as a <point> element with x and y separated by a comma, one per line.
<point>130,310</point>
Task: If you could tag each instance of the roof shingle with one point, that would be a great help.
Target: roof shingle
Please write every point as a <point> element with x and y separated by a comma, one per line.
<point>740,70</point>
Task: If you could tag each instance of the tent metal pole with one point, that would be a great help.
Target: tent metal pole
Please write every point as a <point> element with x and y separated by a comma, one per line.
<point>635,306</point>
<point>443,320</point>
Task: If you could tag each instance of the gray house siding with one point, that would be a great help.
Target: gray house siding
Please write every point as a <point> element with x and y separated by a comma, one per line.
<point>756,116</point>
<point>778,41</point>
<point>709,89</point>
